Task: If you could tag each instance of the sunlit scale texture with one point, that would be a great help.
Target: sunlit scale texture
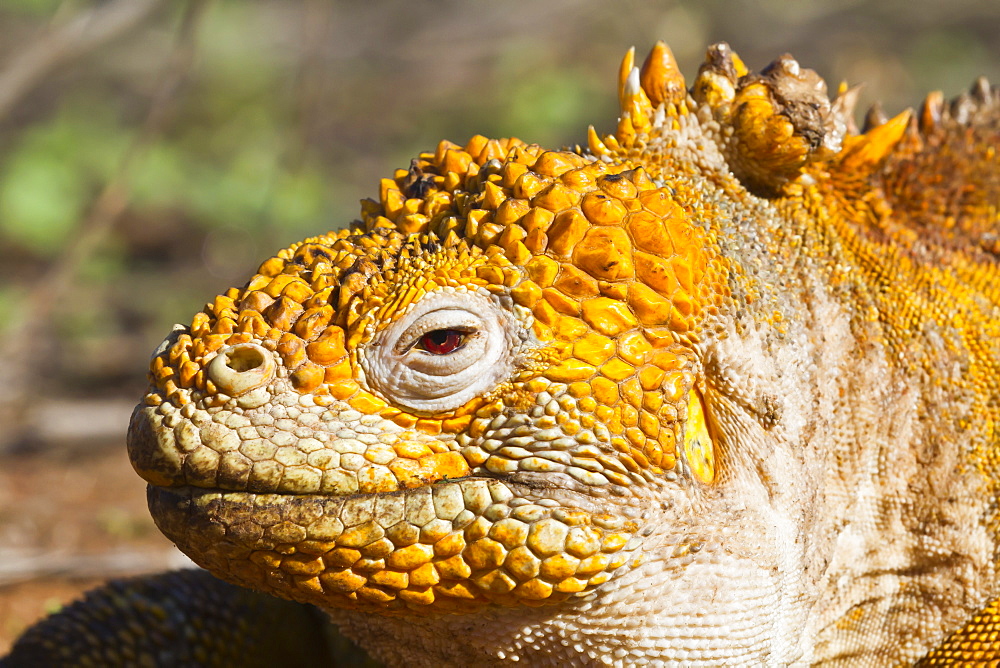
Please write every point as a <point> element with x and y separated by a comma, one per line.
<point>266,391</point>
<point>718,389</point>
<point>977,645</point>
<point>451,546</point>
<point>615,276</point>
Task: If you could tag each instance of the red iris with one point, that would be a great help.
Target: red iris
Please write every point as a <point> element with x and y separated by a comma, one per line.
<point>442,341</point>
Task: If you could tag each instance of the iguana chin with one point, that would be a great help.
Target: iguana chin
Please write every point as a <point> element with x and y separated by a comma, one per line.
<point>718,389</point>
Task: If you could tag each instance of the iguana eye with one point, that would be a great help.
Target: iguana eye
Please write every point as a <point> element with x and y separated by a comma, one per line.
<point>442,341</point>
<point>449,347</point>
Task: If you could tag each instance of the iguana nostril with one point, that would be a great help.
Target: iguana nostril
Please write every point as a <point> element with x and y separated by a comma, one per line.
<point>238,369</point>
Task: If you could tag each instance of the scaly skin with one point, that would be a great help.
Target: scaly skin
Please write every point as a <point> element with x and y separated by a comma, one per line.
<point>719,389</point>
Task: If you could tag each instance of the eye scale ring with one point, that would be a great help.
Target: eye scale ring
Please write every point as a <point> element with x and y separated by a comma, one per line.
<point>447,348</point>
<point>442,341</point>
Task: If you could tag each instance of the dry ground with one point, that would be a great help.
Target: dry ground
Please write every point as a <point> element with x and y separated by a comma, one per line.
<point>69,520</point>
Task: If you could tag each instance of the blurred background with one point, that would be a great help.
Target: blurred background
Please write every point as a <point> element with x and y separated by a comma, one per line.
<point>153,152</point>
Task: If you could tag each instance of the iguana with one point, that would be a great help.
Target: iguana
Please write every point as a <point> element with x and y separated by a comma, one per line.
<point>720,388</point>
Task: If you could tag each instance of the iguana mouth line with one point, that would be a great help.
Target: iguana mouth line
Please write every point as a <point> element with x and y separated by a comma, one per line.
<point>193,489</point>
<point>526,490</point>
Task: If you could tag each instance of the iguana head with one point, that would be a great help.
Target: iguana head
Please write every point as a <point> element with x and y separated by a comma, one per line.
<point>491,389</point>
<point>470,396</point>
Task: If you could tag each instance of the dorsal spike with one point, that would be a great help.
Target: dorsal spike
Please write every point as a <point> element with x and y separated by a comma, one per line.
<point>637,105</point>
<point>930,111</point>
<point>636,109</point>
<point>913,131</point>
<point>628,62</point>
<point>980,90</point>
<point>661,78</point>
<point>595,144</point>
<point>863,152</point>
<point>874,117</point>
<point>842,108</point>
<point>611,142</point>
<point>962,108</point>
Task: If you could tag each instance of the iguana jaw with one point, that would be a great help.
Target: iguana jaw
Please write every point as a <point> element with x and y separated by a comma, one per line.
<point>667,559</point>
<point>447,548</point>
<point>449,542</point>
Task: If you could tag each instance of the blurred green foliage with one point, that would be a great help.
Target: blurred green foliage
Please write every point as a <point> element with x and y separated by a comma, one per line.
<point>40,8</point>
<point>293,109</point>
<point>51,173</point>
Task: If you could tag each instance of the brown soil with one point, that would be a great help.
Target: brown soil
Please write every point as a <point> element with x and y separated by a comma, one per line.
<point>70,520</point>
